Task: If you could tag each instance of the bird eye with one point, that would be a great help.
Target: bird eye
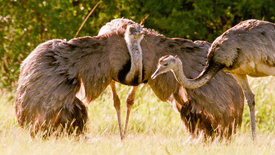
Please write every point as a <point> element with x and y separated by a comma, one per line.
<point>132,30</point>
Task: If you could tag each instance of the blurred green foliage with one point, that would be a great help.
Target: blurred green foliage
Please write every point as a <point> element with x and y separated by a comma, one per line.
<point>26,23</point>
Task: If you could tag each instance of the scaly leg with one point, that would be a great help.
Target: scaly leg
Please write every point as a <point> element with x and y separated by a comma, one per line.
<point>117,106</point>
<point>130,102</point>
<point>250,98</point>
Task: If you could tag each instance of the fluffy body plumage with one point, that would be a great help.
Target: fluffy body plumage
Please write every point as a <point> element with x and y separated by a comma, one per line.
<point>245,49</point>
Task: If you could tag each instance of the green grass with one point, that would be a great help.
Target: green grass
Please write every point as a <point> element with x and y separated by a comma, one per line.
<point>154,128</point>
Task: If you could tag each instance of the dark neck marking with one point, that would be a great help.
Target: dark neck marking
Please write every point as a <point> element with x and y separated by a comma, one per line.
<point>125,70</point>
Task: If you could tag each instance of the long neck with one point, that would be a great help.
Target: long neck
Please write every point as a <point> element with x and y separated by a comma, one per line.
<point>205,76</point>
<point>136,60</point>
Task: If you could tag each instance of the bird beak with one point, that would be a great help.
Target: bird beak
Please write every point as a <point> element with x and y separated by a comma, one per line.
<point>139,33</point>
<point>157,73</point>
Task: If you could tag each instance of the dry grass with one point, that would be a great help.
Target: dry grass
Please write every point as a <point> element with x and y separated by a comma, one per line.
<point>154,128</point>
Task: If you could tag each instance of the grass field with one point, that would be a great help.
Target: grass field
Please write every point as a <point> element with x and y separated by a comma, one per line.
<point>154,128</point>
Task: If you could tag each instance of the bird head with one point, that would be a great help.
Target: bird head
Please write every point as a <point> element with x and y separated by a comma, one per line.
<point>135,32</point>
<point>165,64</point>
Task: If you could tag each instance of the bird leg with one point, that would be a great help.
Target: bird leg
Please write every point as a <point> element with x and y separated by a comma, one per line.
<point>250,98</point>
<point>130,101</point>
<point>117,106</point>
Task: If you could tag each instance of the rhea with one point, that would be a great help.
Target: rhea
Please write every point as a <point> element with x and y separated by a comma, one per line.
<point>245,49</point>
<point>133,36</point>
